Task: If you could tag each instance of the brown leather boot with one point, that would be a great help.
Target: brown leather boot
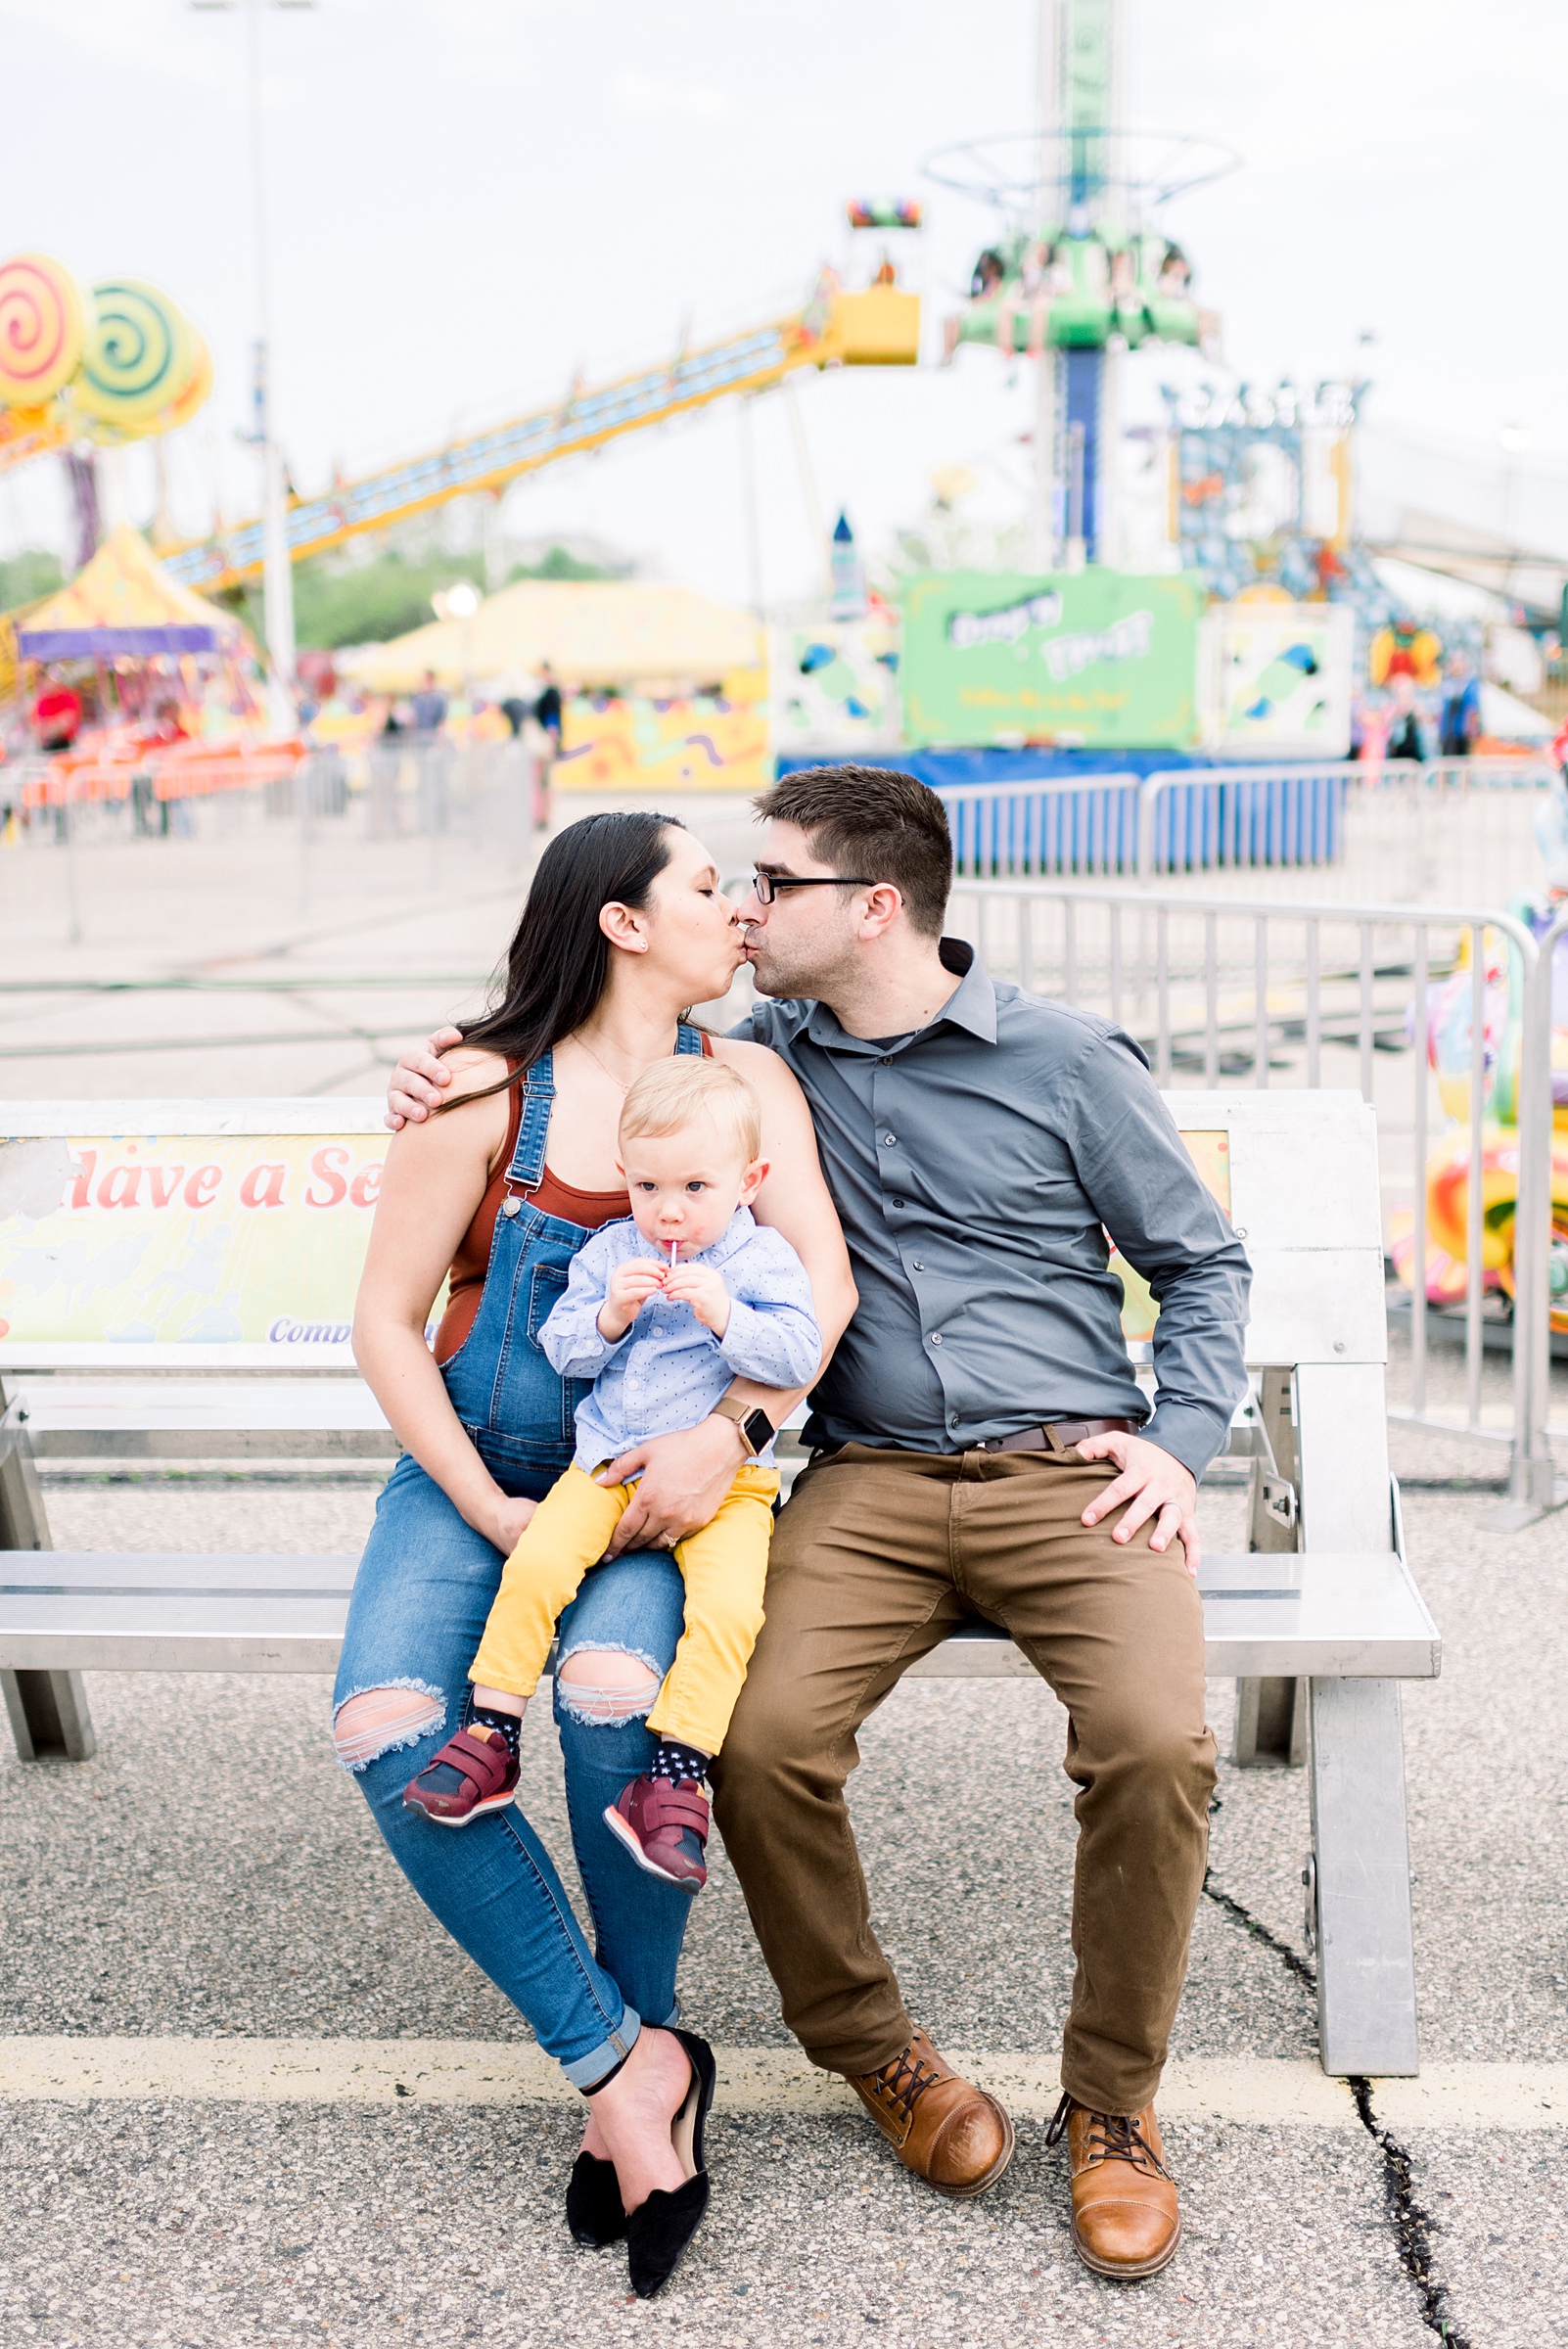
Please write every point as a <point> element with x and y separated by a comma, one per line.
<point>940,2126</point>
<point>1126,2221</point>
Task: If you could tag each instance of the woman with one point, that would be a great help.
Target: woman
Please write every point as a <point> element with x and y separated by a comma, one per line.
<point>625,925</point>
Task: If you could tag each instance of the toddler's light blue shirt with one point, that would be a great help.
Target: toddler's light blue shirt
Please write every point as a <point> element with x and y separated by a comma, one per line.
<point>669,1370</point>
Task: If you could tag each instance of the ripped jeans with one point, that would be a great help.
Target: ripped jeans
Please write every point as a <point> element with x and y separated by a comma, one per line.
<point>421,1597</point>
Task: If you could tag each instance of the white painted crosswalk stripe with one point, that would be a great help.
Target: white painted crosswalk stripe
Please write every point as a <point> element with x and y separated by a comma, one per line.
<point>369,2071</point>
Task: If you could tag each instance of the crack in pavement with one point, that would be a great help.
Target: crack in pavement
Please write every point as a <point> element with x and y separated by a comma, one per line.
<point>1413,2222</point>
<point>1414,2225</point>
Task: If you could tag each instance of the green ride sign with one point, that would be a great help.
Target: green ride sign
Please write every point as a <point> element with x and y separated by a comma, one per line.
<point>1091,658</point>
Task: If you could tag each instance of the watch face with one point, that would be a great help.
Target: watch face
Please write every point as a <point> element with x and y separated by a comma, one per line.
<point>759,1430</point>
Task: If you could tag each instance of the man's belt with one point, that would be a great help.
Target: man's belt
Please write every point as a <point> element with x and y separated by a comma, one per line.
<point>1057,1435</point>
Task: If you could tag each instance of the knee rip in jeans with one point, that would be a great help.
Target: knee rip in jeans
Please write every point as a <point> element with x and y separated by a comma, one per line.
<point>608,1687</point>
<point>378,1721</point>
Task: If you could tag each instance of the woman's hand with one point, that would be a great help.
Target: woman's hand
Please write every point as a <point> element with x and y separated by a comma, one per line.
<point>505,1522</point>
<point>685,1479</point>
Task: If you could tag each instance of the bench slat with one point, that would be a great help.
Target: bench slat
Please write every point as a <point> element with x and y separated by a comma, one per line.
<point>1292,1616</point>
<point>51,1406</point>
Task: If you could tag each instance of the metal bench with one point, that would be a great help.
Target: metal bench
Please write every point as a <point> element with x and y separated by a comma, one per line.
<point>1318,1620</point>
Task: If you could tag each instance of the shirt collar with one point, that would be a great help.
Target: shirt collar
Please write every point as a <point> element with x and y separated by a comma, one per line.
<point>972,1008</point>
<point>735,1234</point>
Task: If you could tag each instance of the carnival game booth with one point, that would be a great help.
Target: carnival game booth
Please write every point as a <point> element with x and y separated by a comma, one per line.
<point>163,674</point>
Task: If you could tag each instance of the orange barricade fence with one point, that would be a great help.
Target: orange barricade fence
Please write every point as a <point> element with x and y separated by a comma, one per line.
<point>176,772</point>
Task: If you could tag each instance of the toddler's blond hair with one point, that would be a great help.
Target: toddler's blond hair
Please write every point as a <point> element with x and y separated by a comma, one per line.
<point>676,1092</point>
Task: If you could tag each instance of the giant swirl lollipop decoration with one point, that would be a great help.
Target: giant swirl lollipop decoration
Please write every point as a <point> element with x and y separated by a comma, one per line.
<point>117,364</point>
<point>138,356</point>
<point>43,325</point>
<point>198,386</point>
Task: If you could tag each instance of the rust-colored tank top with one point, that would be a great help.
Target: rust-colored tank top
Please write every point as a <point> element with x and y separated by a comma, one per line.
<point>551,1196</point>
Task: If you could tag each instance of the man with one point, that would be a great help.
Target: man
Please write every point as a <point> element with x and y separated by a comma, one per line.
<point>1462,709</point>
<point>973,1439</point>
<point>430,707</point>
<point>55,714</point>
<point>547,708</point>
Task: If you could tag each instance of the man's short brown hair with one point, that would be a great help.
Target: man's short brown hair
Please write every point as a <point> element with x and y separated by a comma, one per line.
<point>874,823</point>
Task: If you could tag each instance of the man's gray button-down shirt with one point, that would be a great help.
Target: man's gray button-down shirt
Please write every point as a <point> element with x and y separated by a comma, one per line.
<point>977,1166</point>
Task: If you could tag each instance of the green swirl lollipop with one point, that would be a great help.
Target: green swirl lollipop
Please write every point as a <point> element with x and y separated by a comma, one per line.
<point>137,359</point>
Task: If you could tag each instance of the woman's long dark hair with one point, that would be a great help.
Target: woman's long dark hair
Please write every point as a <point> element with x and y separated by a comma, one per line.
<point>559,958</point>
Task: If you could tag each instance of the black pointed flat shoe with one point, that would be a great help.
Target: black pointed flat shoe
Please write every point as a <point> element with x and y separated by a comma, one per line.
<point>595,2212</point>
<point>660,2230</point>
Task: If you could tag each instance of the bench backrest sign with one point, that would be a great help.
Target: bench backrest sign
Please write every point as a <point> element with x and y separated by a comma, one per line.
<point>189,1233</point>
<point>230,1234</point>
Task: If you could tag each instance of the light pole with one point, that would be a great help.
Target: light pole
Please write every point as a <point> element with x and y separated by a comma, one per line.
<point>276,577</point>
<point>1048,94</point>
<point>1515,441</point>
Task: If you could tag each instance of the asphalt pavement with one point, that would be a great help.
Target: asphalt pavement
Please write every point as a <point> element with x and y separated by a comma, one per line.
<point>208,1876</point>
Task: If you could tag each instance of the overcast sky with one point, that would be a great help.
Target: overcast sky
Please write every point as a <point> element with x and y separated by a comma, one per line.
<point>473,198</point>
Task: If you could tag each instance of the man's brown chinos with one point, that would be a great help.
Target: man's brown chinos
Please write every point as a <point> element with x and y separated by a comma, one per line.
<point>877,1557</point>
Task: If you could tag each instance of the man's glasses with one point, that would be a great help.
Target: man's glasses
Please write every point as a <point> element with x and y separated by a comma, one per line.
<point>768,884</point>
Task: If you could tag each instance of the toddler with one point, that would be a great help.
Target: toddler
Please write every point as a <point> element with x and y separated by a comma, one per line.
<point>662,1313</point>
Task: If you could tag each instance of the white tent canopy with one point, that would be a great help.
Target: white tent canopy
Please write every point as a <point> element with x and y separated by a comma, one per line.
<point>627,632</point>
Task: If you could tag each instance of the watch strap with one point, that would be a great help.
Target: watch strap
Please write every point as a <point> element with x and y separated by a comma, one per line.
<point>740,1416</point>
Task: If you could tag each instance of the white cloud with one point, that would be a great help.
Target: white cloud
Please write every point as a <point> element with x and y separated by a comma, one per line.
<point>637,93</point>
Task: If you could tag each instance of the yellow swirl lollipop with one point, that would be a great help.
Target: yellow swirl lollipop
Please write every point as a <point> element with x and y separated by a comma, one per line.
<point>138,356</point>
<point>197,388</point>
<point>43,324</point>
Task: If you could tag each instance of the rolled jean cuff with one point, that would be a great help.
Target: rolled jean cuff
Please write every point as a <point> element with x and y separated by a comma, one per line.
<point>587,2069</point>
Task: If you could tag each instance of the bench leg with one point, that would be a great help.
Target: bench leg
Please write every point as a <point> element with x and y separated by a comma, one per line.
<point>1270,1724</point>
<point>1271,1714</point>
<point>48,1714</point>
<point>1365,1950</point>
<point>47,1710</point>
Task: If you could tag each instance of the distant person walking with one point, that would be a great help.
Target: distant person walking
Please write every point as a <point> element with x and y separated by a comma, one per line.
<point>56,716</point>
<point>547,708</point>
<point>1462,709</point>
<point>430,707</point>
<point>1405,737</point>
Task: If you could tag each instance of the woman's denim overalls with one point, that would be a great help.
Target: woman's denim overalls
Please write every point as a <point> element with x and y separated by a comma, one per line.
<point>422,1594</point>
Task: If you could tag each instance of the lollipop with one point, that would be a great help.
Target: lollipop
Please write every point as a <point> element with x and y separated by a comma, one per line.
<point>197,388</point>
<point>138,357</point>
<point>43,324</point>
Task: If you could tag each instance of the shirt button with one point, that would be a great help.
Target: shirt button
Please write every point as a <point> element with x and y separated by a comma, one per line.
<point>936,1337</point>
<point>915,1265</point>
<point>889,1139</point>
<point>897,1203</point>
<point>886,1060</point>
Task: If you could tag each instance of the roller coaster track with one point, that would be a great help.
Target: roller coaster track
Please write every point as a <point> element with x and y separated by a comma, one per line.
<point>880,327</point>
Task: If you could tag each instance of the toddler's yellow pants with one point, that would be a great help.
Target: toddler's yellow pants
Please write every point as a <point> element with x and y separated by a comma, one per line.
<point>725,1566</point>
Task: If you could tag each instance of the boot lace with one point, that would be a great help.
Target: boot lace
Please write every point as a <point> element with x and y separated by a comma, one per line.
<point>1112,2136</point>
<point>904,2081</point>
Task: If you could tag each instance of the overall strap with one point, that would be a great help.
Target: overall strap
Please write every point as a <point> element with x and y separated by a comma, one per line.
<point>538,1094</point>
<point>688,1038</point>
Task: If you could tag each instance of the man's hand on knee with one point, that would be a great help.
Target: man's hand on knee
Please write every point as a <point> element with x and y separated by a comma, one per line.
<point>1154,1483</point>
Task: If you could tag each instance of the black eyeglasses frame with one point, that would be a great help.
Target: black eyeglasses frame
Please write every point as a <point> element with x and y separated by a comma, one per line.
<point>767,884</point>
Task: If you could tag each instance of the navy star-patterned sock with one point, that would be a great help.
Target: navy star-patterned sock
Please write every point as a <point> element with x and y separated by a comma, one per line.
<point>674,1762</point>
<point>510,1726</point>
